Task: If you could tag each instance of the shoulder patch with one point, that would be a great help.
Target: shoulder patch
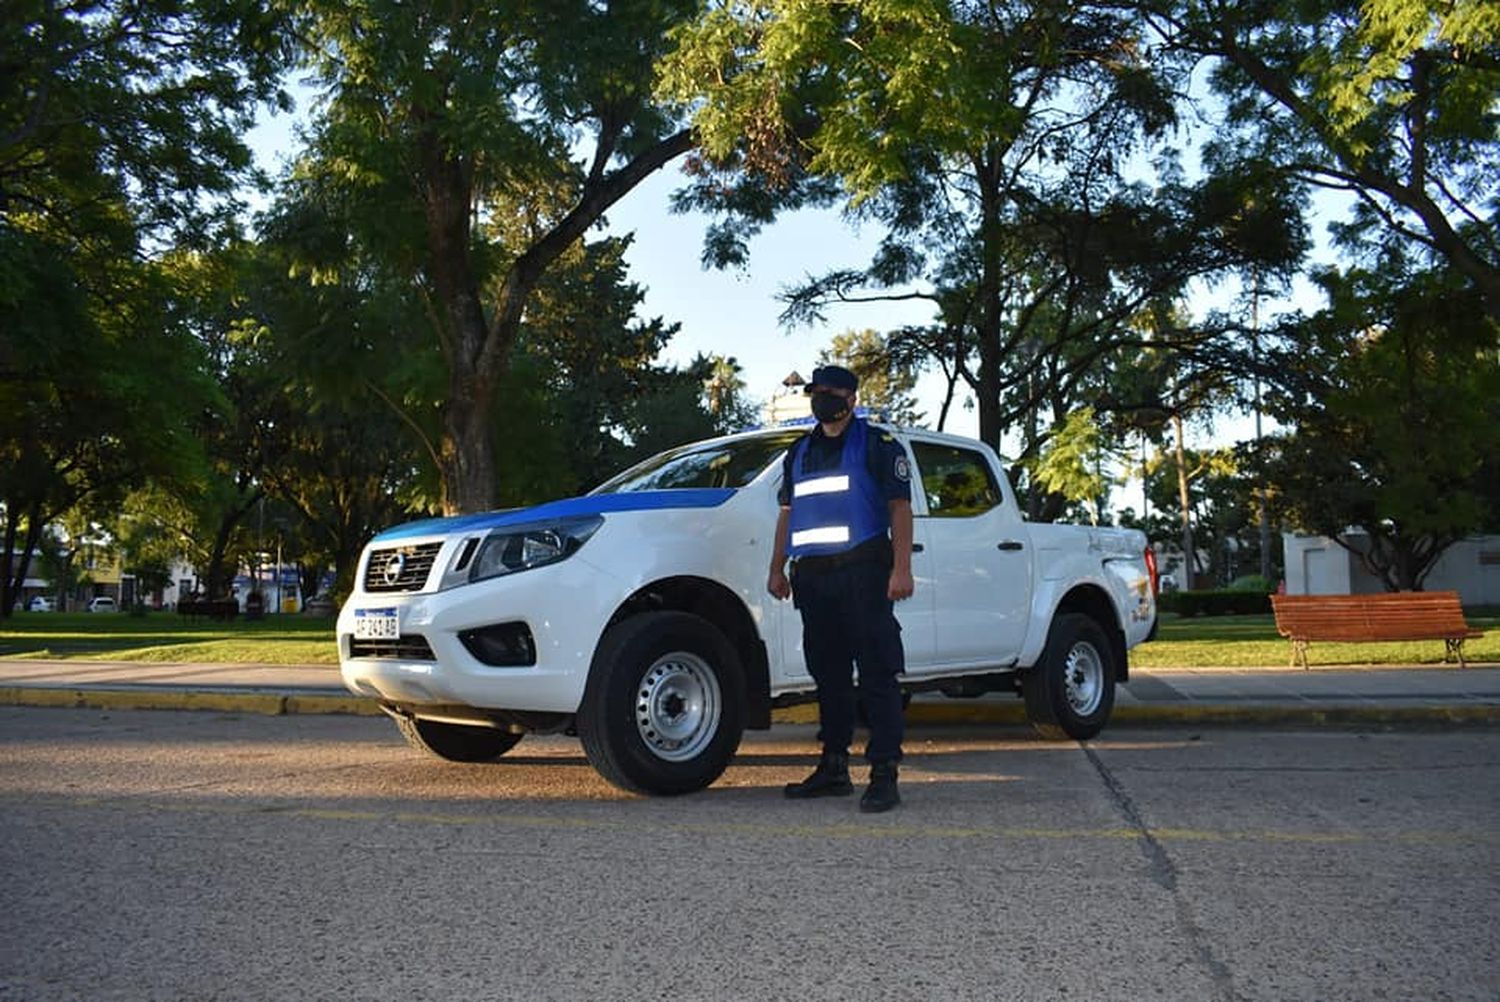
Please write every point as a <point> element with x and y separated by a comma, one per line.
<point>902,469</point>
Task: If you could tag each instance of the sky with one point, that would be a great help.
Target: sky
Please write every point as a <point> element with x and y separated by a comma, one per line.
<point>734,312</point>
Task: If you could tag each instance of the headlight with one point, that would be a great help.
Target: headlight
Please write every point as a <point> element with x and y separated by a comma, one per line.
<point>526,546</point>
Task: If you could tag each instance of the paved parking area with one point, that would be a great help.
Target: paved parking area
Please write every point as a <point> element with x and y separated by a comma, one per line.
<point>237,856</point>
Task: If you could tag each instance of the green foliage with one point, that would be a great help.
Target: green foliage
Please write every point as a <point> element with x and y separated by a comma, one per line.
<point>119,132</point>
<point>724,393</point>
<point>1393,100</point>
<point>992,143</point>
<point>1392,393</point>
<point>1073,462</point>
<point>886,381</point>
<point>117,117</point>
<point>469,147</point>
<point>587,396</point>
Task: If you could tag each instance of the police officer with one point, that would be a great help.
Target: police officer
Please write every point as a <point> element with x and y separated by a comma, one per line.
<point>846,523</point>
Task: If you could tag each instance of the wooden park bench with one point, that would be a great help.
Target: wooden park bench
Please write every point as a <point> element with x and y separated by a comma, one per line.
<point>1402,615</point>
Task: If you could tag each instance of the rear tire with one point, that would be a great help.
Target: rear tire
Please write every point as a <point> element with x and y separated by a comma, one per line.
<point>456,742</point>
<point>664,708</point>
<point>1071,691</point>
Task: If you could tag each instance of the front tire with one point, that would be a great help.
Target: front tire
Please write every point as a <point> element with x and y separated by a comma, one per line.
<point>456,742</point>
<point>1071,691</point>
<point>664,708</point>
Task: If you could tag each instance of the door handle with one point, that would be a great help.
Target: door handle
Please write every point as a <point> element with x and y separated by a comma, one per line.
<point>916,547</point>
<point>1011,544</point>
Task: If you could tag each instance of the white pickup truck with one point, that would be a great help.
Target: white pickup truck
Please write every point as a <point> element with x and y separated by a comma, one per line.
<point>637,616</point>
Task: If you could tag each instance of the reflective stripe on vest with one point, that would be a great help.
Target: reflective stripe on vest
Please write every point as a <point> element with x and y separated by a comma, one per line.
<point>821,485</point>
<point>827,534</point>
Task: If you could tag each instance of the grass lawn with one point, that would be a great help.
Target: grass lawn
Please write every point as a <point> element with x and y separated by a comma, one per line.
<point>1201,642</point>
<point>1252,641</point>
<point>166,636</point>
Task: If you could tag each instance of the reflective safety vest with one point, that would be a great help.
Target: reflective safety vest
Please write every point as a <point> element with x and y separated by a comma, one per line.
<point>836,509</point>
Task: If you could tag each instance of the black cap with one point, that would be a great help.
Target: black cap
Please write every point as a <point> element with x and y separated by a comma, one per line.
<point>834,377</point>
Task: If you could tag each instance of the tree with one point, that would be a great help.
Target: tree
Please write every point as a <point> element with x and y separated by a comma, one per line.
<point>119,134</point>
<point>991,141</point>
<point>476,144</point>
<point>86,416</point>
<point>886,380</point>
<point>1390,101</point>
<point>344,473</point>
<point>118,119</point>
<point>597,368</point>
<point>243,429</point>
<point>1214,531</point>
<point>724,392</point>
<point>1072,466</point>
<point>325,333</point>
<point>583,394</point>
<point>1392,392</point>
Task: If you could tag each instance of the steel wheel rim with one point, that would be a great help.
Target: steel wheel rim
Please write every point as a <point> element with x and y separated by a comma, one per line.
<point>1083,679</point>
<point>677,706</point>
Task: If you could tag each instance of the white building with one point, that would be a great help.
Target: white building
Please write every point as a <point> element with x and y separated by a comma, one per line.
<point>789,403</point>
<point>1316,565</point>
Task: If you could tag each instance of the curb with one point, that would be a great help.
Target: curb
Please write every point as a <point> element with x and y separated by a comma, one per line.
<point>165,698</point>
<point>993,714</point>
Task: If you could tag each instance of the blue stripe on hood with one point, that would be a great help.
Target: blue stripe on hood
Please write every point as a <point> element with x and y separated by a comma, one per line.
<point>593,504</point>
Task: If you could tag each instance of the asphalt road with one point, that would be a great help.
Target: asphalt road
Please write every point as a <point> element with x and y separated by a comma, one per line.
<point>156,855</point>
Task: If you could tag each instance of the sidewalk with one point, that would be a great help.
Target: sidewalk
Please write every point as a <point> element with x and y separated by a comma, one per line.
<point>1324,695</point>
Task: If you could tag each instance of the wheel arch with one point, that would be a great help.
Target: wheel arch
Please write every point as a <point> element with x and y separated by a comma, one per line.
<point>721,607</point>
<point>1094,602</point>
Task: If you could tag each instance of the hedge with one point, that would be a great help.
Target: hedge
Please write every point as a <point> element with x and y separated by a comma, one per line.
<point>1218,602</point>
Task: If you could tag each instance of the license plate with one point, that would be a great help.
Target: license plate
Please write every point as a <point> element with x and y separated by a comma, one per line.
<point>376,624</point>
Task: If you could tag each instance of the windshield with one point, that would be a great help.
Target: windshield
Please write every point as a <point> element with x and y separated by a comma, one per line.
<point>708,464</point>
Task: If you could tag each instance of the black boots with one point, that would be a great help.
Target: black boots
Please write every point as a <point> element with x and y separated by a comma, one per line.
<point>829,779</point>
<point>882,794</point>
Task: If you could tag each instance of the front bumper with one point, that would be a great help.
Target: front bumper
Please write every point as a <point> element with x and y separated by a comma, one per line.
<point>564,606</point>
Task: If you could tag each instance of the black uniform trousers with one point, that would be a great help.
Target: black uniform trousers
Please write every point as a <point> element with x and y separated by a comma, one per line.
<point>847,618</point>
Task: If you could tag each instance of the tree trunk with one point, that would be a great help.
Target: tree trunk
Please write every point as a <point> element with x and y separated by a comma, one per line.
<point>217,586</point>
<point>1188,555</point>
<point>990,429</point>
<point>215,575</point>
<point>8,591</point>
<point>479,353</point>
<point>14,567</point>
<point>467,451</point>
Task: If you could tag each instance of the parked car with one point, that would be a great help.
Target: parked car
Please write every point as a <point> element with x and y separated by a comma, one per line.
<point>638,615</point>
<point>103,603</point>
<point>40,603</point>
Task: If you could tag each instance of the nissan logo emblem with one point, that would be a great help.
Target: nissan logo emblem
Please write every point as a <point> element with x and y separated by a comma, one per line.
<point>391,572</point>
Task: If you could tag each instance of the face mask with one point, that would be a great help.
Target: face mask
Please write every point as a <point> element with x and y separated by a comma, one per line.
<point>829,407</point>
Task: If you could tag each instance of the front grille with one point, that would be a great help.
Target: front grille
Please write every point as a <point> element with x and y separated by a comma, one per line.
<point>407,647</point>
<point>400,568</point>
